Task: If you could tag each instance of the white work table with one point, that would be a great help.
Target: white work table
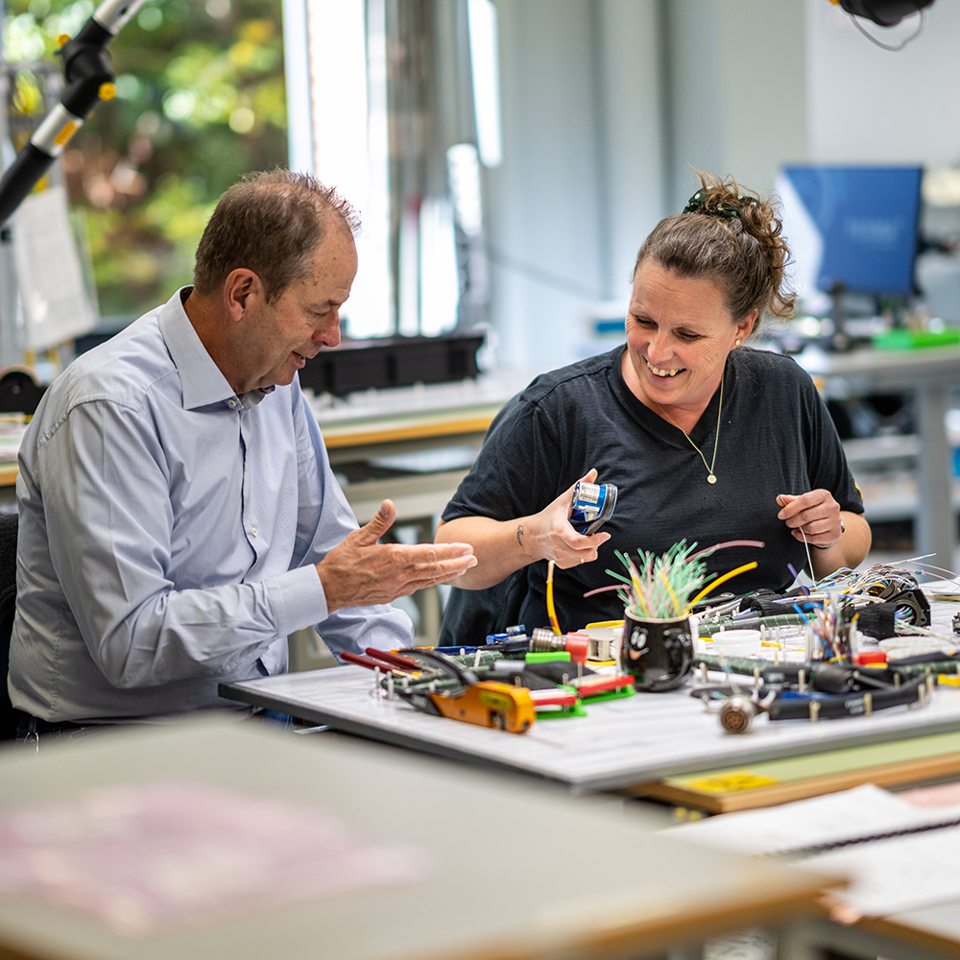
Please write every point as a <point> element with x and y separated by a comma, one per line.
<point>619,744</point>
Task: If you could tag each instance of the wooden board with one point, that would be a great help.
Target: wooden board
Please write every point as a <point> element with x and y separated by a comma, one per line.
<point>755,785</point>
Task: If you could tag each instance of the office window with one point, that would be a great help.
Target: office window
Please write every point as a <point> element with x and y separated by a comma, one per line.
<point>200,101</point>
<point>402,114</point>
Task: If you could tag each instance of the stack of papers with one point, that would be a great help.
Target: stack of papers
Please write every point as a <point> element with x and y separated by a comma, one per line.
<point>896,855</point>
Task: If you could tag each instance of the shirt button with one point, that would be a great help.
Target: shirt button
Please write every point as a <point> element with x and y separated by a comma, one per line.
<point>253,531</point>
<point>231,403</point>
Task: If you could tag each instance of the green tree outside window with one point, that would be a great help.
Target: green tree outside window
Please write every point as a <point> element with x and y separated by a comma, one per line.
<point>200,101</point>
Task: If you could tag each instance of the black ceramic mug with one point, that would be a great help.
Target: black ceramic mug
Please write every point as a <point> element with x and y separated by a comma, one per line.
<point>659,653</point>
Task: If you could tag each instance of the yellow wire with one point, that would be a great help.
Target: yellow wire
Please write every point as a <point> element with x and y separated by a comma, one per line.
<point>673,596</point>
<point>551,609</point>
<point>716,583</point>
<point>636,589</point>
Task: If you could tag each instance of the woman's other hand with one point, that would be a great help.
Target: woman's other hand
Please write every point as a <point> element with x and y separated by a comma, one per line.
<point>814,516</point>
<point>840,538</point>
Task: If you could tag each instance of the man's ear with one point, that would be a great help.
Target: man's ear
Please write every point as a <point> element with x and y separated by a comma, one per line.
<point>240,287</point>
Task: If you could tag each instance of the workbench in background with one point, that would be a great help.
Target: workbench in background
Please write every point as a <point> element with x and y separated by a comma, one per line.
<point>412,445</point>
<point>929,374</point>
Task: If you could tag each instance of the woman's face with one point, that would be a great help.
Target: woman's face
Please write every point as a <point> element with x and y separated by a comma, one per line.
<point>679,333</point>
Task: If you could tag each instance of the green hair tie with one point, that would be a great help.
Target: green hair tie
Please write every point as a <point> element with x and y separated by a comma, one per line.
<point>726,211</point>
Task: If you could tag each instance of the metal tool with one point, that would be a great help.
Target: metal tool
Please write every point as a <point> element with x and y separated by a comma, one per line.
<point>487,703</point>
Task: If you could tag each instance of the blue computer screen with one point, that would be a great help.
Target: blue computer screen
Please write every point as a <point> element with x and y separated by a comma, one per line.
<point>852,227</point>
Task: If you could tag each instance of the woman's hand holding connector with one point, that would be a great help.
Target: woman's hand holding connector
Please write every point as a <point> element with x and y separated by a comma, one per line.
<point>549,534</point>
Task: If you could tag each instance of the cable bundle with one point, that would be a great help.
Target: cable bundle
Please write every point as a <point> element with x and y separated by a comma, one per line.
<point>660,588</point>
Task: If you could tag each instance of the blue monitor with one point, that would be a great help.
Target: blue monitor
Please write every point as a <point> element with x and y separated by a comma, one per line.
<point>850,228</point>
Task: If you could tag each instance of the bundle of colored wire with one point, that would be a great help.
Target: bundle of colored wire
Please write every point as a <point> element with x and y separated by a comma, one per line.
<point>660,588</point>
<point>823,618</point>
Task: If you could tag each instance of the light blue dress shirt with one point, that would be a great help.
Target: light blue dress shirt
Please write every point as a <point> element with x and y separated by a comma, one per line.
<point>169,531</point>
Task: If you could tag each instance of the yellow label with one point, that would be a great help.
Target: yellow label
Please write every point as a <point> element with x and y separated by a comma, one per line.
<point>66,132</point>
<point>496,700</point>
<point>731,783</point>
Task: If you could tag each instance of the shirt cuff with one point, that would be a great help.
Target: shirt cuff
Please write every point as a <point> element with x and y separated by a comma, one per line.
<point>298,599</point>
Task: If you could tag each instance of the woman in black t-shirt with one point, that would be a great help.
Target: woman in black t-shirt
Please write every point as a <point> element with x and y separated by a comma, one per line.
<point>706,439</point>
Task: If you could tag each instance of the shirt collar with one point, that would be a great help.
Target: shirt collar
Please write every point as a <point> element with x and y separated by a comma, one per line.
<point>202,381</point>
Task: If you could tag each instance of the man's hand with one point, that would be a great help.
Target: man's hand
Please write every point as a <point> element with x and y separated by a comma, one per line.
<point>361,572</point>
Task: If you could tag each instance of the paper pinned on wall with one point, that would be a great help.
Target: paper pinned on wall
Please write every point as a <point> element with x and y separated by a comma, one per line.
<point>56,305</point>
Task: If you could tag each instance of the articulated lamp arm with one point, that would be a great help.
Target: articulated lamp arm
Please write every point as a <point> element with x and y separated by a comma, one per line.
<point>86,66</point>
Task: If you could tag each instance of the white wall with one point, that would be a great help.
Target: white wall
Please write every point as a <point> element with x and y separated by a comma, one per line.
<point>869,105</point>
<point>606,106</point>
<point>872,105</point>
<point>738,76</point>
<point>581,179</point>
<point>608,103</point>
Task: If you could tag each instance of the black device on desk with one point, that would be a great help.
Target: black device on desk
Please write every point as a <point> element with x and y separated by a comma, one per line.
<point>393,362</point>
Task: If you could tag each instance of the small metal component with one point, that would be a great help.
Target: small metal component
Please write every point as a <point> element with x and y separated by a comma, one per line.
<point>736,714</point>
<point>868,704</point>
<point>814,711</point>
<point>544,640</point>
<point>593,504</point>
<point>802,681</point>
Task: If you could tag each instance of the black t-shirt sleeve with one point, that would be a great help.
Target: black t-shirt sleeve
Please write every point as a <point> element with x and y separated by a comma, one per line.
<point>514,474</point>
<point>829,469</point>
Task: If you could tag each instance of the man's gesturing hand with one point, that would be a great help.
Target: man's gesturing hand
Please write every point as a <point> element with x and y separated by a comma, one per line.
<point>360,571</point>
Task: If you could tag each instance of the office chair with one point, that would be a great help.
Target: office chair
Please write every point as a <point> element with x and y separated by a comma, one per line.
<point>8,605</point>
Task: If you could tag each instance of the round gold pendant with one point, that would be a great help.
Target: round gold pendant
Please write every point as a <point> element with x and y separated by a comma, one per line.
<point>711,479</point>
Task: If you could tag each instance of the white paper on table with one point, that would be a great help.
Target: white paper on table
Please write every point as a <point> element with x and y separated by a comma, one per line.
<point>859,812</point>
<point>886,876</point>
<point>897,875</point>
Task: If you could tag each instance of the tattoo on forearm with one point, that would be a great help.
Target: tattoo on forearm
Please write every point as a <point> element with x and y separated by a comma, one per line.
<point>520,534</point>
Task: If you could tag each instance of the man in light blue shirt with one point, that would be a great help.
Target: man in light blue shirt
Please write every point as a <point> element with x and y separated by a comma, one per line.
<point>178,514</point>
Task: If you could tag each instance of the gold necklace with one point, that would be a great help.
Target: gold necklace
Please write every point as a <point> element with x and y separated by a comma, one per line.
<point>711,476</point>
